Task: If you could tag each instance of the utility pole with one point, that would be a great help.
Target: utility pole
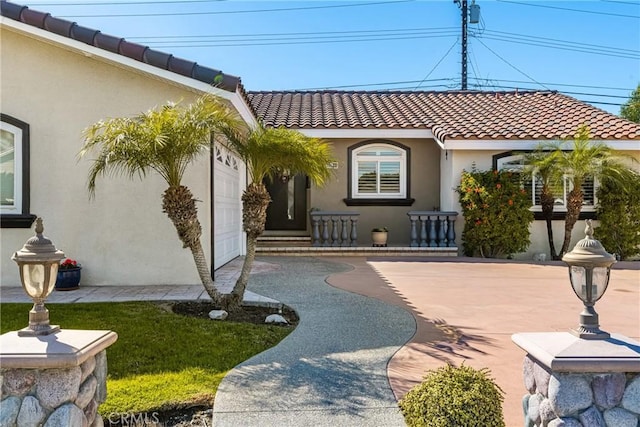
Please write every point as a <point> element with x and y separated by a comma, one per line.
<point>464,6</point>
<point>474,17</point>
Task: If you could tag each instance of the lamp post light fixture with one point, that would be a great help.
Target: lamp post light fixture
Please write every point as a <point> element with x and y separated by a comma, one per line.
<point>589,269</point>
<point>38,262</point>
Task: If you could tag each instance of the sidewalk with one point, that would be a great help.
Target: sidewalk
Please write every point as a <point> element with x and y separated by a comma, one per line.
<point>225,278</point>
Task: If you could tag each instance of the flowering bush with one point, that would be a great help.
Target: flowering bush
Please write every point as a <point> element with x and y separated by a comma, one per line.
<point>68,264</point>
<point>497,213</point>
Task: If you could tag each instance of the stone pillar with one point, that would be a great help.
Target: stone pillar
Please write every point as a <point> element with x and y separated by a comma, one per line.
<point>575,382</point>
<point>54,380</point>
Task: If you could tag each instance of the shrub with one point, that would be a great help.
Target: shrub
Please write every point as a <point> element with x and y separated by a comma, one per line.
<point>619,214</point>
<point>496,211</point>
<point>454,397</point>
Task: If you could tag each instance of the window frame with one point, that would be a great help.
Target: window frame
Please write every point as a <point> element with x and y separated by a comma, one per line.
<point>18,216</point>
<point>354,198</point>
<point>559,211</point>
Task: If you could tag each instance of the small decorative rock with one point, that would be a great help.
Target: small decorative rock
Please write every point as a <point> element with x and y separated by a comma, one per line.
<point>218,314</point>
<point>276,318</point>
<point>18,382</point>
<point>565,422</point>
<point>86,392</point>
<point>533,410</point>
<point>631,397</point>
<point>87,368</point>
<point>569,393</point>
<point>620,418</point>
<point>527,372</point>
<point>101,375</point>
<point>98,422</point>
<point>546,412</point>
<point>31,413</point>
<point>66,416</point>
<point>9,409</point>
<point>57,386</point>
<point>608,389</point>
<point>542,377</point>
<point>592,418</point>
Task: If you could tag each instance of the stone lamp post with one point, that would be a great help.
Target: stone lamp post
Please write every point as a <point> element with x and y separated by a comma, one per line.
<point>589,270</point>
<point>583,377</point>
<point>38,261</point>
<point>50,376</point>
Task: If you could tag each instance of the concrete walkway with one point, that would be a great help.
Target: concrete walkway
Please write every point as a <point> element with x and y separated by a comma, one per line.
<point>331,370</point>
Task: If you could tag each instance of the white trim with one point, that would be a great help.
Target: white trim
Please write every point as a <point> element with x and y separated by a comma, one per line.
<point>375,133</point>
<point>123,61</point>
<point>16,208</point>
<point>401,159</point>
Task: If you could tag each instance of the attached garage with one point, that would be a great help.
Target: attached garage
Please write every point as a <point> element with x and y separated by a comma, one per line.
<point>228,179</point>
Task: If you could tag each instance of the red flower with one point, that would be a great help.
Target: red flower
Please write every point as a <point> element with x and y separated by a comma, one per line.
<point>498,185</point>
<point>69,263</point>
<point>510,202</point>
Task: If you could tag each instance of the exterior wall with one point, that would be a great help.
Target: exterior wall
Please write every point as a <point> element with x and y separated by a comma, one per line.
<point>122,236</point>
<point>425,189</point>
<point>457,161</point>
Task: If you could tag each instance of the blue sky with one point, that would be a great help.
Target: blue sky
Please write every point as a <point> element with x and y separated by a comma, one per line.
<point>587,49</point>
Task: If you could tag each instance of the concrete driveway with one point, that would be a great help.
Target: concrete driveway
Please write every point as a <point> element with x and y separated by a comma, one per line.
<point>466,310</point>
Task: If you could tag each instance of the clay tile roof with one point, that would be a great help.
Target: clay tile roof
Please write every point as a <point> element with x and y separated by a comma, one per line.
<point>120,46</point>
<point>461,115</point>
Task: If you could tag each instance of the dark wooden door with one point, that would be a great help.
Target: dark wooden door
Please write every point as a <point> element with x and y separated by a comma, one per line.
<point>288,207</point>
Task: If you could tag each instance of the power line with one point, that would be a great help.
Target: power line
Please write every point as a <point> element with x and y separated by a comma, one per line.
<point>226,12</point>
<point>438,63</point>
<point>571,10</point>
<point>569,85</point>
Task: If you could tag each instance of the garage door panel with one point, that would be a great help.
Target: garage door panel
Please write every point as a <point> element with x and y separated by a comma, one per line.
<point>227,232</point>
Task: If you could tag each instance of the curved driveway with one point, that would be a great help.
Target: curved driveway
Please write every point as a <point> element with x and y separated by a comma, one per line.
<point>330,371</point>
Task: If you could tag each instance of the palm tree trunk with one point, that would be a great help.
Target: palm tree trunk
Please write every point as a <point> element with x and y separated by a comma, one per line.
<point>547,200</point>
<point>574,206</point>
<point>255,201</point>
<point>180,206</point>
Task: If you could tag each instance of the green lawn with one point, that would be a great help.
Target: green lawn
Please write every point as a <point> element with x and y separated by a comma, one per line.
<point>161,360</point>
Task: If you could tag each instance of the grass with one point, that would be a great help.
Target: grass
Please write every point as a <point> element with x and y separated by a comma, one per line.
<point>161,360</point>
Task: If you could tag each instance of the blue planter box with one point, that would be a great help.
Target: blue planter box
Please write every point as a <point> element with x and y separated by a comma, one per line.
<point>68,279</point>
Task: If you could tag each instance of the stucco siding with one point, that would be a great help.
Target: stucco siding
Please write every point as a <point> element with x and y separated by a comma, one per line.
<point>425,189</point>
<point>122,236</point>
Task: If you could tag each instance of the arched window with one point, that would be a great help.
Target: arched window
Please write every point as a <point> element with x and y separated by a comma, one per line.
<point>379,171</point>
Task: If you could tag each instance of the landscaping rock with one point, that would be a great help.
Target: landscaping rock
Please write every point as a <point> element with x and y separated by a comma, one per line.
<point>276,318</point>
<point>592,418</point>
<point>91,411</point>
<point>87,368</point>
<point>546,412</point>
<point>98,422</point>
<point>542,377</point>
<point>9,409</point>
<point>86,393</point>
<point>100,372</point>
<point>67,416</point>
<point>31,413</point>
<point>18,382</point>
<point>620,418</point>
<point>57,386</point>
<point>569,393</point>
<point>218,314</point>
<point>527,373</point>
<point>533,409</point>
<point>631,397</point>
<point>608,389</point>
<point>565,422</point>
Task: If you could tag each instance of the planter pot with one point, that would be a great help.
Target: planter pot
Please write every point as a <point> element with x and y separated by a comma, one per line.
<point>379,238</point>
<point>68,279</point>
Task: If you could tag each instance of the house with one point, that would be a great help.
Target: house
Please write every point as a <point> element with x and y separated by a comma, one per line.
<point>58,77</point>
<point>426,139</point>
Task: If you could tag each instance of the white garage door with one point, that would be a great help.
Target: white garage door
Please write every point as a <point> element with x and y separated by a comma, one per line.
<point>227,215</point>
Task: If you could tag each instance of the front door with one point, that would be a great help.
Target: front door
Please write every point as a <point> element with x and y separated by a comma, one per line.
<point>288,207</point>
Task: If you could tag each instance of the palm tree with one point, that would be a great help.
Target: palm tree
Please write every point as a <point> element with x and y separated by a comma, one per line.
<point>586,160</point>
<point>270,153</point>
<point>541,164</point>
<point>165,140</point>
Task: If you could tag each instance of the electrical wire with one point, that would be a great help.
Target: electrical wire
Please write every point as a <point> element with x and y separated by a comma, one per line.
<point>227,12</point>
<point>438,63</point>
<point>571,10</point>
